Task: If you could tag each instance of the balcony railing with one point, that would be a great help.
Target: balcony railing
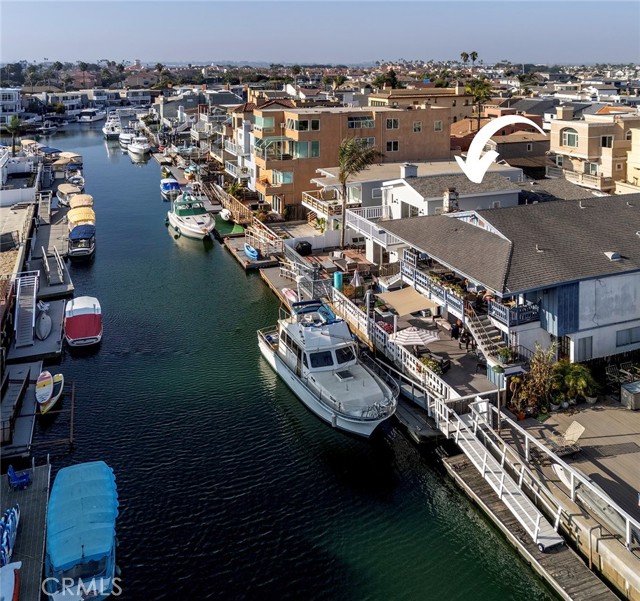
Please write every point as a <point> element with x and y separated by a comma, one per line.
<point>271,153</point>
<point>514,316</point>
<point>586,179</point>
<point>361,221</point>
<point>233,148</point>
<point>325,202</point>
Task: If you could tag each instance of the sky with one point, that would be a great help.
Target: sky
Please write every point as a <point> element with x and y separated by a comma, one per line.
<point>312,31</point>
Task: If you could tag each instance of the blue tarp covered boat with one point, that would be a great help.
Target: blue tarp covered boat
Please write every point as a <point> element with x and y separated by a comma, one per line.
<point>82,241</point>
<point>81,536</point>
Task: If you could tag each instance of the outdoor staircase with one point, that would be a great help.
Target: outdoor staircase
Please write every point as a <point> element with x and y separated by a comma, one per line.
<point>487,336</point>
<point>312,218</point>
<point>26,309</point>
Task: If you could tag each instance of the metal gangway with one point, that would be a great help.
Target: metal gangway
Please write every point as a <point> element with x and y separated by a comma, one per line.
<point>467,431</point>
<point>53,267</point>
<point>25,316</point>
<point>44,206</point>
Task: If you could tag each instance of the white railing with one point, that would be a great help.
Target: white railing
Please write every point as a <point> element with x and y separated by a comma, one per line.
<point>325,207</point>
<point>356,221</point>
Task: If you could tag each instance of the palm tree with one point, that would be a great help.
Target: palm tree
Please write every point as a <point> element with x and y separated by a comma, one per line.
<point>480,89</point>
<point>465,57</point>
<point>474,57</point>
<point>353,157</point>
<point>57,67</point>
<point>14,127</point>
<point>83,68</point>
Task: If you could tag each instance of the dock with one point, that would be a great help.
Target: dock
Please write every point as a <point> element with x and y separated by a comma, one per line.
<point>236,247</point>
<point>18,408</point>
<point>275,281</point>
<point>561,568</point>
<point>30,542</point>
<point>416,422</point>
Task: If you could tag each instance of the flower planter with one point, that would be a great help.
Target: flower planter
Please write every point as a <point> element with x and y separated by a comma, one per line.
<point>591,400</point>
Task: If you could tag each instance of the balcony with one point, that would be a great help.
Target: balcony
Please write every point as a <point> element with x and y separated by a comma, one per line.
<point>597,182</point>
<point>325,203</point>
<point>364,220</point>
<point>514,316</point>
<point>264,186</point>
<point>239,172</point>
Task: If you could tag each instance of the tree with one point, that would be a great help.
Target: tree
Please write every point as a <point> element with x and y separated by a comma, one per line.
<point>339,80</point>
<point>57,68</point>
<point>14,127</point>
<point>295,71</point>
<point>480,89</point>
<point>32,70</point>
<point>474,57</point>
<point>465,58</point>
<point>353,157</point>
<point>67,80</point>
<point>83,68</point>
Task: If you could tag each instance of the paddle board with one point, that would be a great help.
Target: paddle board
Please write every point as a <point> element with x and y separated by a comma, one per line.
<point>44,387</point>
<point>58,385</point>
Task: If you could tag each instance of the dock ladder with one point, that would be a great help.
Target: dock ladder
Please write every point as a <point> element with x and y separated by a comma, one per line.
<point>25,318</point>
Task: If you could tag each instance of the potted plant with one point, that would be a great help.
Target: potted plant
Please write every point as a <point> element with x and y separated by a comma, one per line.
<point>573,381</point>
<point>431,364</point>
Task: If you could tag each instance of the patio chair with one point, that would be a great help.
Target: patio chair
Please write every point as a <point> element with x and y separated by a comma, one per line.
<point>613,375</point>
<point>18,480</point>
<point>567,443</point>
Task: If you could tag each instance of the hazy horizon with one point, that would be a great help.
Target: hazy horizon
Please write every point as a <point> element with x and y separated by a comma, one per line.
<point>355,32</point>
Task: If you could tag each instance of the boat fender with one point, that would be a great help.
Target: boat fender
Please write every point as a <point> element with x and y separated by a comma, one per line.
<point>334,420</point>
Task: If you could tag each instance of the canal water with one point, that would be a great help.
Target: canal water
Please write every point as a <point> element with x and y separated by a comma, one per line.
<point>229,488</point>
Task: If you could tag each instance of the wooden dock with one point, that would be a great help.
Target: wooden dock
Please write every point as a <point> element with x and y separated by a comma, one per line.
<point>236,248</point>
<point>30,542</point>
<point>561,568</point>
<point>275,281</point>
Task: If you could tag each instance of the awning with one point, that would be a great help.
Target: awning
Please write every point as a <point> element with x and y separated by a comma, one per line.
<point>408,300</point>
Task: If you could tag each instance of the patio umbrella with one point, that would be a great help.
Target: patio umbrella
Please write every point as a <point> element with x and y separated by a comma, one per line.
<point>356,280</point>
<point>415,337</point>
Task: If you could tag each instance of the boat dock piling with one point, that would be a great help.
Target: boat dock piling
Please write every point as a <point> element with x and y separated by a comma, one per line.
<point>562,568</point>
<point>30,541</point>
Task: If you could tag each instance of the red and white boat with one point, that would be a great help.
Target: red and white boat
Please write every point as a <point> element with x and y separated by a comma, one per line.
<point>83,321</point>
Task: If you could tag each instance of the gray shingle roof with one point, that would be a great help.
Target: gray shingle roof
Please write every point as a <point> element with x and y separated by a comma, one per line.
<point>571,242</point>
<point>474,252</point>
<point>434,187</point>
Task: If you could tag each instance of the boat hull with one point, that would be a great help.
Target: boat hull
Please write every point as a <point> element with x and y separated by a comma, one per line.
<point>359,427</point>
<point>187,230</point>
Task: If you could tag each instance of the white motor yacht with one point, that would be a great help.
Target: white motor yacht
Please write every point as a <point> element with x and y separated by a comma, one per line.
<point>189,217</point>
<point>314,352</point>
<point>139,145</point>
<point>91,115</point>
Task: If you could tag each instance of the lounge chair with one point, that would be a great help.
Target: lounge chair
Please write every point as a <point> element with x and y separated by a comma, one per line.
<point>567,443</point>
<point>18,480</point>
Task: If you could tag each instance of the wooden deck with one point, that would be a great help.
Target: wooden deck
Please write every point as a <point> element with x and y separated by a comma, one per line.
<point>236,247</point>
<point>52,235</point>
<point>273,279</point>
<point>30,542</point>
<point>610,447</point>
<point>562,568</point>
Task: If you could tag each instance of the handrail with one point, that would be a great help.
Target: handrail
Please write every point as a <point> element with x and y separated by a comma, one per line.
<point>59,263</point>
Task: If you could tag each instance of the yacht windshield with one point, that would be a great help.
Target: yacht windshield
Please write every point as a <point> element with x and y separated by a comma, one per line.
<point>321,359</point>
<point>344,354</point>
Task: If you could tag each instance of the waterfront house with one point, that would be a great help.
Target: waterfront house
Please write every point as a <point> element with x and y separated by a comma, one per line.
<point>631,182</point>
<point>10,105</point>
<point>565,272</point>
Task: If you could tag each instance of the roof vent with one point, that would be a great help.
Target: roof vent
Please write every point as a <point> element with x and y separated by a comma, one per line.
<point>613,255</point>
<point>538,249</point>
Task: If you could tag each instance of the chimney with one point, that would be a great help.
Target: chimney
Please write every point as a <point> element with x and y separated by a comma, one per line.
<point>450,200</point>
<point>564,112</point>
<point>408,170</point>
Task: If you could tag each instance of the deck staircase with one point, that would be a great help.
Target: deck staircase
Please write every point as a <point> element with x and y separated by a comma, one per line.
<point>487,336</point>
<point>25,319</point>
<point>53,267</point>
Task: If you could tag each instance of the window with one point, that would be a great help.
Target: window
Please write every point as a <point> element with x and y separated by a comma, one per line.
<point>265,123</point>
<point>455,119</point>
<point>628,336</point>
<point>591,168</point>
<point>454,103</point>
<point>606,141</point>
<point>495,204</point>
<point>315,149</point>
<point>529,147</point>
<point>344,354</point>
<point>367,141</point>
<point>392,146</point>
<point>282,177</point>
<point>417,127</point>
<point>360,122</point>
<point>559,161</point>
<point>618,166</point>
<point>304,360</point>
<point>569,137</point>
<point>437,126</point>
<point>321,359</point>
<point>628,136</point>
<point>393,123</point>
<point>376,193</point>
<point>584,348</point>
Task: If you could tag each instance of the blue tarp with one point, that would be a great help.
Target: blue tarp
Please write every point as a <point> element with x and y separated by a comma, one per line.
<point>82,232</point>
<point>82,513</point>
<point>49,150</point>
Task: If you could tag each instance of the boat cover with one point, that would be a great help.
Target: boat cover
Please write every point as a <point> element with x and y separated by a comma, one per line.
<point>81,200</point>
<point>83,326</point>
<point>81,214</point>
<point>49,150</point>
<point>83,508</point>
<point>82,232</point>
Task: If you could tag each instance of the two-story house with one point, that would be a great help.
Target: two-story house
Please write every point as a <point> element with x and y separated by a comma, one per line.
<point>592,151</point>
<point>10,104</point>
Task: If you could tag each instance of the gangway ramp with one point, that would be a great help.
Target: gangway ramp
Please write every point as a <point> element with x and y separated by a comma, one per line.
<point>25,318</point>
<point>530,518</point>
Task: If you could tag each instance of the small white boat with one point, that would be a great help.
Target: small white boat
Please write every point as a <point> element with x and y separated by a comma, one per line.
<point>126,137</point>
<point>75,178</point>
<point>66,192</point>
<point>189,218</point>
<point>139,146</point>
<point>80,216</point>
<point>82,241</point>
<point>44,387</point>
<point>225,215</point>
<point>47,128</point>
<point>56,393</point>
<point>91,115</point>
<point>111,129</point>
<point>43,321</point>
<point>169,188</point>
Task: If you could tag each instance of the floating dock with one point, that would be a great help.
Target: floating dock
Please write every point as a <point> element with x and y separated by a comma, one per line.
<point>30,542</point>
<point>561,568</point>
<point>417,424</point>
<point>236,247</point>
